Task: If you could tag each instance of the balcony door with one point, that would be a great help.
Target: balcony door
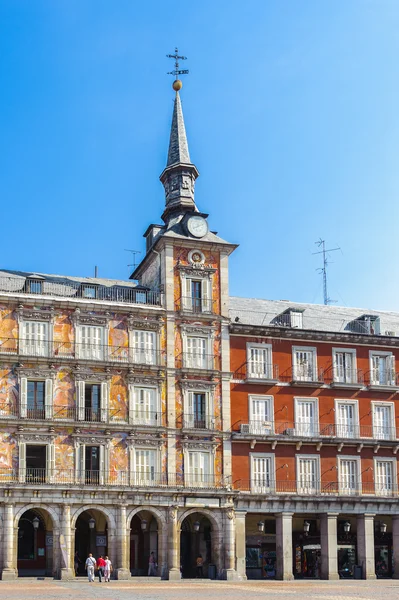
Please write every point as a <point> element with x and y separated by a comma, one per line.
<point>145,467</point>
<point>306,418</point>
<point>144,347</point>
<point>348,474</point>
<point>382,422</point>
<point>91,342</point>
<point>308,475</point>
<point>260,415</point>
<point>344,367</point>
<point>261,474</point>
<point>304,365</point>
<point>259,366</point>
<point>384,478</point>
<point>199,469</point>
<point>34,338</point>
<point>346,420</point>
<point>92,464</point>
<point>196,353</point>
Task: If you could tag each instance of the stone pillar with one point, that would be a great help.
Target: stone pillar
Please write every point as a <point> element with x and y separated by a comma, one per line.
<point>365,545</point>
<point>395,546</point>
<point>9,571</point>
<point>329,549</point>
<point>122,570</point>
<point>241,546</point>
<point>163,550</point>
<point>284,546</point>
<point>229,545</point>
<point>173,546</point>
<point>65,541</point>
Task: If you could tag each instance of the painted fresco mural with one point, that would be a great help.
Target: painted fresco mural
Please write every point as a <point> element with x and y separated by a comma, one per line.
<point>8,330</point>
<point>8,455</point>
<point>64,394</point>
<point>118,399</point>
<point>8,391</point>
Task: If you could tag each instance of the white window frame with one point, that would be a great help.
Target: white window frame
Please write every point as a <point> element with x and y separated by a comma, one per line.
<point>311,349</point>
<point>188,414</point>
<point>346,491</point>
<point>153,420</point>
<point>96,355</point>
<point>394,473</point>
<point>80,393</point>
<point>256,426</point>
<point>316,457</point>
<point>48,395</point>
<point>301,430</point>
<point>80,462</point>
<point>335,351</point>
<point>209,361</point>
<point>206,291</point>
<point>386,355</point>
<point>356,422</point>
<point>23,346</point>
<point>146,357</point>
<point>263,489</point>
<point>141,479</point>
<point>392,434</point>
<point>269,364</point>
<point>50,458</point>
<point>189,477</point>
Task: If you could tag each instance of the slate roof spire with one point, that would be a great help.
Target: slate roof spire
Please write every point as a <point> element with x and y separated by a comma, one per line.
<point>178,146</point>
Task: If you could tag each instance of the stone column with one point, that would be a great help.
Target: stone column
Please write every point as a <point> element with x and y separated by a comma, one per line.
<point>395,546</point>
<point>9,571</point>
<point>65,541</point>
<point>229,545</point>
<point>329,549</point>
<point>173,546</point>
<point>163,550</point>
<point>241,546</point>
<point>284,546</point>
<point>365,544</point>
<point>122,570</point>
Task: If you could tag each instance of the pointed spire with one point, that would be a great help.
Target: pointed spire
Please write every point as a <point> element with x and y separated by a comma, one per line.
<point>178,146</point>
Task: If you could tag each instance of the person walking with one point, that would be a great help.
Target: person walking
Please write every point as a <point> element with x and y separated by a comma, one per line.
<point>107,569</point>
<point>152,565</point>
<point>200,564</point>
<point>100,568</point>
<point>90,566</point>
<point>76,563</point>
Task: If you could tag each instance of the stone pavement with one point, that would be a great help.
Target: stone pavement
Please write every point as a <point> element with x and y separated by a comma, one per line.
<point>48,589</point>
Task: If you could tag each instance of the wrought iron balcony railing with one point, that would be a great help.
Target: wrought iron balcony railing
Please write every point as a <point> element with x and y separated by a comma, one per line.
<point>75,350</point>
<point>306,373</point>
<point>345,487</point>
<point>195,421</point>
<point>257,372</point>
<point>383,378</point>
<point>65,288</point>
<point>198,360</point>
<point>198,305</point>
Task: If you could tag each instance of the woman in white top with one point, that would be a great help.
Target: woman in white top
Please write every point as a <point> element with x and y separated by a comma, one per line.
<point>107,569</point>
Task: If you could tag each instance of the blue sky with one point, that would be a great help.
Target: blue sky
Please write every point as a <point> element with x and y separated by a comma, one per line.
<point>291,110</point>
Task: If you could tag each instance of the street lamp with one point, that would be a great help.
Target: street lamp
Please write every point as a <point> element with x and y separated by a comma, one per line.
<point>92,523</point>
<point>306,527</point>
<point>35,523</point>
<point>196,525</point>
<point>347,527</point>
<point>261,526</point>
<point>383,528</point>
<point>143,524</point>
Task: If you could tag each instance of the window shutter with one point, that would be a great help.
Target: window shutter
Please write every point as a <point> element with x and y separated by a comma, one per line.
<point>80,391</point>
<point>22,337</point>
<point>102,473</point>
<point>132,402</point>
<point>104,401</point>
<point>22,462</point>
<point>206,295</point>
<point>375,375</point>
<point>190,410</point>
<point>23,397</point>
<point>149,347</point>
<point>81,462</point>
<point>50,463</point>
<point>188,297</point>
<point>391,369</point>
<point>48,399</point>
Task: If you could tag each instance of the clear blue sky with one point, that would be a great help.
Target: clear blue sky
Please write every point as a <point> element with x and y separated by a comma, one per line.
<point>292,113</point>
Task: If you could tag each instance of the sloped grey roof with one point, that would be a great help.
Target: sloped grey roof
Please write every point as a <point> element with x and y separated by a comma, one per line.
<point>257,312</point>
<point>22,275</point>
<point>178,146</point>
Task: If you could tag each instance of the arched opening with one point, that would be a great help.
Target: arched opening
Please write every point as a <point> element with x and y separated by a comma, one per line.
<point>91,537</point>
<point>195,542</point>
<point>35,544</point>
<point>143,541</point>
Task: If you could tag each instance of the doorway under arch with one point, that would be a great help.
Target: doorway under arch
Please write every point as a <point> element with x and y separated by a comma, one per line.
<point>195,540</point>
<point>91,536</point>
<point>35,544</point>
<point>143,541</point>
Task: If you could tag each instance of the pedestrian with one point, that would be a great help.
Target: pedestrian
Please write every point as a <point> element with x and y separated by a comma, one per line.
<point>152,565</point>
<point>90,566</point>
<point>76,563</point>
<point>100,568</point>
<point>107,569</point>
<point>200,564</point>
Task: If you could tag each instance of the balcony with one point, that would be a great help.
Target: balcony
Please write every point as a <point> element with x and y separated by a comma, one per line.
<point>78,351</point>
<point>383,380</point>
<point>307,375</point>
<point>198,361</point>
<point>260,373</point>
<point>267,486</point>
<point>345,379</point>
<point>199,306</point>
<point>195,421</point>
<point>66,288</point>
<point>113,478</point>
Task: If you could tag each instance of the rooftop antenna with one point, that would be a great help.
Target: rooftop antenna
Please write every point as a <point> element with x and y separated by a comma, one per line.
<point>323,270</point>
<point>134,253</point>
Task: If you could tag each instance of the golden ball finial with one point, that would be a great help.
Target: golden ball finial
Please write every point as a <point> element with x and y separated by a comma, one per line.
<point>177,85</point>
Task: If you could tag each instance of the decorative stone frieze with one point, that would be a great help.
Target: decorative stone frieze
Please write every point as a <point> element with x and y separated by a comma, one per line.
<point>49,372</point>
<point>144,440</point>
<point>146,324</point>
<point>86,318</point>
<point>32,314</point>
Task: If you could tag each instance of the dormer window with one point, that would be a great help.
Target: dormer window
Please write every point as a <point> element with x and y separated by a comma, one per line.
<point>89,291</point>
<point>369,324</point>
<point>292,317</point>
<point>34,285</point>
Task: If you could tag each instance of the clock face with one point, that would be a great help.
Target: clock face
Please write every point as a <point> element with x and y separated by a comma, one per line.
<point>197,226</point>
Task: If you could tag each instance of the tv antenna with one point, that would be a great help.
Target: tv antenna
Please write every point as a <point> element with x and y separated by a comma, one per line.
<point>323,270</point>
<point>134,263</point>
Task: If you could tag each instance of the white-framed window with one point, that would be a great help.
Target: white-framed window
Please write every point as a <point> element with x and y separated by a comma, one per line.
<point>347,418</point>
<point>92,463</point>
<point>198,409</point>
<point>36,461</point>
<point>91,342</point>
<point>349,481</point>
<point>385,476</point>
<point>259,360</point>
<point>261,414</point>
<point>262,473</point>
<point>197,354</point>
<point>92,400</point>
<point>196,293</point>
<point>35,338</point>
<point>199,471</point>
<point>344,365</point>
<point>143,347</point>
<point>35,398</point>
<point>304,363</point>
<point>383,420</point>
<point>382,368</point>
<point>308,473</point>
<point>145,466</point>
<point>144,405</point>
<point>306,417</point>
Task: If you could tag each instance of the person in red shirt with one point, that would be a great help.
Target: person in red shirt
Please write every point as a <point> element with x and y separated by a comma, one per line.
<point>100,568</point>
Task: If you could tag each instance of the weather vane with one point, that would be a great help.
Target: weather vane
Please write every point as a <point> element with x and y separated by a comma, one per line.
<point>177,84</point>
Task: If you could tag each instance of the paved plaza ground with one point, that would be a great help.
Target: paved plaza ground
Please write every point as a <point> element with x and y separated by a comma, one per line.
<point>32,589</point>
